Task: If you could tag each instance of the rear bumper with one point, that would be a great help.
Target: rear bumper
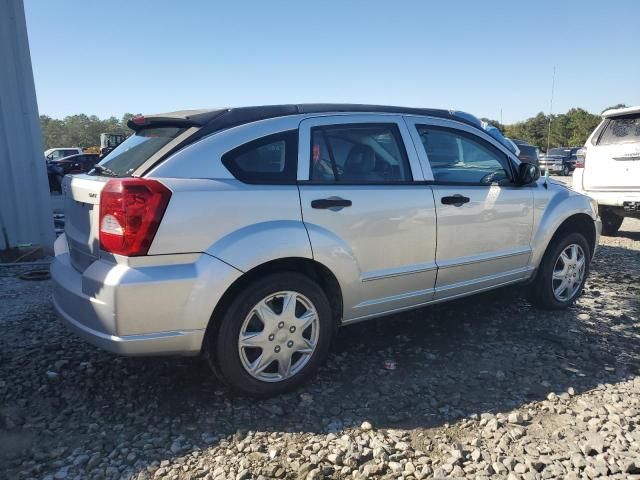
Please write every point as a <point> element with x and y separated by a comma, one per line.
<point>552,167</point>
<point>624,200</point>
<point>140,310</point>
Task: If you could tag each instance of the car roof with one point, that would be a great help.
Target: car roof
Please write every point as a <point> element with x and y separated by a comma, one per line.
<point>617,112</point>
<point>223,118</point>
<point>81,155</point>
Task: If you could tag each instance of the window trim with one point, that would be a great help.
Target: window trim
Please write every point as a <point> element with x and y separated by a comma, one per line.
<point>397,134</point>
<point>290,138</point>
<point>509,167</point>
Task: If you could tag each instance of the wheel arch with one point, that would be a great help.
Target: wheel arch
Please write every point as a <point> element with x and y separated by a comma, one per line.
<point>308,267</point>
<point>580,223</point>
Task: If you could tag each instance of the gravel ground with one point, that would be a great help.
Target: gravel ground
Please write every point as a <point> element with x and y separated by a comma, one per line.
<point>484,387</point>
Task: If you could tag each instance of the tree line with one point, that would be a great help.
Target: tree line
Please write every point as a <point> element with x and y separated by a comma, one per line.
<point>80,130</point>
<point>567,129</point>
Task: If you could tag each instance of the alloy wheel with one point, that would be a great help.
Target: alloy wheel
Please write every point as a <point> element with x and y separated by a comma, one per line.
<point>568,272</point>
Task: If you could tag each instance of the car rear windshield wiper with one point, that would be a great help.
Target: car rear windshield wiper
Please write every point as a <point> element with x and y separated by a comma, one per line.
<point>105,170</point>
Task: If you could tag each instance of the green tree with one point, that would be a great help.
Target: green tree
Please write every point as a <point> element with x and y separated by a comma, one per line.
<point>80,130</point>
<point>618,105</point>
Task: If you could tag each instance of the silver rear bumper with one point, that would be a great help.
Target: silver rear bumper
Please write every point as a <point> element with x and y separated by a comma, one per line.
<point>143,310</point>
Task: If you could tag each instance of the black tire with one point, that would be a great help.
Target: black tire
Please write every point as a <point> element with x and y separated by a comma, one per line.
<point>223,354</point>
<point>566,170</point>
<point>610,222</point>
<point>541,290</point>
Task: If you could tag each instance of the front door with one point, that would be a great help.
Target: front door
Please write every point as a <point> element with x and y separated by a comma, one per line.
<point>484,220</point>
<point>369,216</point>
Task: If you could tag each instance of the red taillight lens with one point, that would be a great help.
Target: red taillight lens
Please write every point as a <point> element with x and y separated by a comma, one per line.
<point>130,213</point>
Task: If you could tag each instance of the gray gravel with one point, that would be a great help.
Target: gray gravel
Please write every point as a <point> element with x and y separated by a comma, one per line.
<point>486,387</point>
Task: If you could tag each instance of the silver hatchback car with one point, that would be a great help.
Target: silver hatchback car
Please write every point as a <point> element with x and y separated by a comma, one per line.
<point>248,235</point>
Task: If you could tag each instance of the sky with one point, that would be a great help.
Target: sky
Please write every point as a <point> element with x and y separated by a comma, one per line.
<point>487,58</point>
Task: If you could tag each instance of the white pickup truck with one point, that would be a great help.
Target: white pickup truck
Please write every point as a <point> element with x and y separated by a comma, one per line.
<point>608,167</point>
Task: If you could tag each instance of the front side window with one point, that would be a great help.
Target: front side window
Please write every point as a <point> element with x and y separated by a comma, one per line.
<point>456,157</point>
<point>621,130</point>
<point>358,154</point>
<point>267,160</point>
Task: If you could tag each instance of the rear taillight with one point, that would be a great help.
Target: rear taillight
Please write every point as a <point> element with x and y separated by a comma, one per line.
<point>581,157</point>
<point>130,213</point>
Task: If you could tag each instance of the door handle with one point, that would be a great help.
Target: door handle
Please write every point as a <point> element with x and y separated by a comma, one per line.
<point>330,203</point>
<point>456,200</point>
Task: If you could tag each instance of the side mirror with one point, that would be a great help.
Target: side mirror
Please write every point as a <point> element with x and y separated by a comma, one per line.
<point>528,173</point>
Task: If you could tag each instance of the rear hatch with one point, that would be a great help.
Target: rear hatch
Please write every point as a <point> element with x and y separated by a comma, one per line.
<point>613,159</point>
<point>82,192</point>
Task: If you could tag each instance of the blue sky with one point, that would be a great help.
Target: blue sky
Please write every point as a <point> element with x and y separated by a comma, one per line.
<point>111,57</point>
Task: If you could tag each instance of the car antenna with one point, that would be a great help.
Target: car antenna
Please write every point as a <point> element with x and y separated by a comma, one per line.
<point>546,179</point>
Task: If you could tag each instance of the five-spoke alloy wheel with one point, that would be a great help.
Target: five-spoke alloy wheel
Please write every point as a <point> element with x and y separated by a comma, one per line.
<point>568,272</point>
<point>275,332</point>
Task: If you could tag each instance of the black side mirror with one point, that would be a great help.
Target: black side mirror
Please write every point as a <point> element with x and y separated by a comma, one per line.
<point>528,173</point>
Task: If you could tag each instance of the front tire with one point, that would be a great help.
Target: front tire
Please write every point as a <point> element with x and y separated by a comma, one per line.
<point>562,272</point>
<point>566,170</point>
<point>274,334</point>
<point>610,222</point>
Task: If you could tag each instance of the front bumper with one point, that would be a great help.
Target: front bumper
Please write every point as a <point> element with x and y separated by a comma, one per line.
<point>147,309</point>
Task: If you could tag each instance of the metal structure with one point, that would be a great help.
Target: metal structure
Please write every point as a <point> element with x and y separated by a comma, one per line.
<point>25,206</point>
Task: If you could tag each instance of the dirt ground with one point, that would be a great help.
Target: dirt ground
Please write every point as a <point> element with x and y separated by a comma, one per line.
<point>485,387</point>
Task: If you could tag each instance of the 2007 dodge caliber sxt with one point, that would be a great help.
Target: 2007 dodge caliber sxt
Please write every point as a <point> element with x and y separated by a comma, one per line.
<point>249,234</point>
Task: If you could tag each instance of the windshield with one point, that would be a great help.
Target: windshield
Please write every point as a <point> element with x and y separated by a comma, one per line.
<point>136,149</point>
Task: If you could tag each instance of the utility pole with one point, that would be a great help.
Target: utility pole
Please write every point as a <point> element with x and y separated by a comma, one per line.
<point>553,84</point>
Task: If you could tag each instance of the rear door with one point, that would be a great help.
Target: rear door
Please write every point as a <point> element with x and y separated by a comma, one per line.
<point>369,216</point>
<point>484,220</point>
<point>613,163</point>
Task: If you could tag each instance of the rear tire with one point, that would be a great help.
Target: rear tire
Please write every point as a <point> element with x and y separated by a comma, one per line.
<point>546,290</point>
<point>257,326</point>
<point>610,222</point>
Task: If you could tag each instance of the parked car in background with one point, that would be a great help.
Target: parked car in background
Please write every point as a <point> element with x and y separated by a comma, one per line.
<point>81,163</point>
<point>248,235</point>
<point>608,167</point>
<point>109,141</point>
<point>59,153</point>
<point>528,153</point>
<point>559,160</point>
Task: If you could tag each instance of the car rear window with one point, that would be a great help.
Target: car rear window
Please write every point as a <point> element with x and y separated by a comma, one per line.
<point>137,149</point>
<point>621,130</point>
<point>563,152</point>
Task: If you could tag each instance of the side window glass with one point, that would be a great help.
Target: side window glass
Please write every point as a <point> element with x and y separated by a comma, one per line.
<point>358,154</point>
<point>267,160</point>
<point>458,158</point>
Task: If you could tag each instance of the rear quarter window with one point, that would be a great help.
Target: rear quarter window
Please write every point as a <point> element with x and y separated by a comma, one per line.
<point>621,130</point>
<point>266,160</point>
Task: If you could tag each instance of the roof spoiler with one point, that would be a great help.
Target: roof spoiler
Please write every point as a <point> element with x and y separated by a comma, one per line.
<point>183,118</point>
